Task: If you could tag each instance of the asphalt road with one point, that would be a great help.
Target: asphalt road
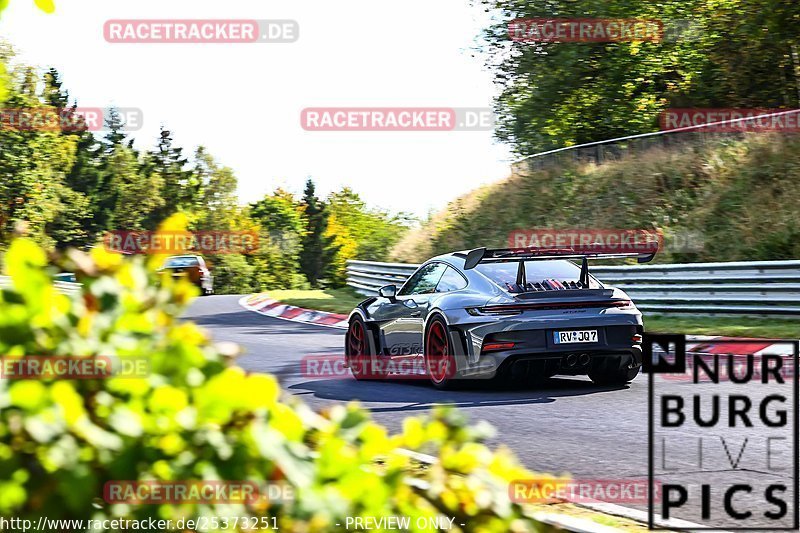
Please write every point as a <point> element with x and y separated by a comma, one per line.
<point>569,425</point>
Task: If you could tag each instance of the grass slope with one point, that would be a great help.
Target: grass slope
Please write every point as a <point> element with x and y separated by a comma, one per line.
<point>739,195</point>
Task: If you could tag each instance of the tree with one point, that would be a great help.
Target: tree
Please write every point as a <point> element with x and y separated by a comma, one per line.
<point>282,224</point>
<point>216,201</point>
<point>136,195</point>
<point>33,165</point>
<point>180,188</point>
<point>115,136</point>
<point>317,248</point>
<point>71,225</point>
<point>54,94</point>
<point>360,232</point>
<point>743,53</point>
<point>82,215</point>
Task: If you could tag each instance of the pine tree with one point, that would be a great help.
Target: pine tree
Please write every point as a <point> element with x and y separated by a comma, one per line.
<point>82,196</point>
<point>216,200</point>
<point>115,125</point>
<point>317,249</point>
<point>53,94</point>
<point>136,195</point>
<point>179,189</point>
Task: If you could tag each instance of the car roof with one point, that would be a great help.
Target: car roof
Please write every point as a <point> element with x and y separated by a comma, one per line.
<point>455,259</point>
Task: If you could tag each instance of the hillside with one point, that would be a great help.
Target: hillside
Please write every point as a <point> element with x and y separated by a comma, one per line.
<point>739,195</point>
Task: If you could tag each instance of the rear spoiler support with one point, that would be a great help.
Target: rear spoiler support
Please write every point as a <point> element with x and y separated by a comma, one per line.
<point>584,281</point>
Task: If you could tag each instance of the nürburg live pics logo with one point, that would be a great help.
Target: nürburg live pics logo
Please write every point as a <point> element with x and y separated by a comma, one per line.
<point>723,433</point>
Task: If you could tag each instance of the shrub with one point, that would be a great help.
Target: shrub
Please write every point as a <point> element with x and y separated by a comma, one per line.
<point>233,274</point>
<point>195,415</point>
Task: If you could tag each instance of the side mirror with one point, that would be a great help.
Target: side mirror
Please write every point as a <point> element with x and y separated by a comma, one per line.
<point>388,291</point>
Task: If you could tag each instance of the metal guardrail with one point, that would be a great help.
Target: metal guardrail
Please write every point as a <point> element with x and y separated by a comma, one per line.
<point>610,149</point>
<point>735,288</point>
<point>64,287</point>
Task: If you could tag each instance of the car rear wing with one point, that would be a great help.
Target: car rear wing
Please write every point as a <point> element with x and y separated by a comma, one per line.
<point>584,253</point>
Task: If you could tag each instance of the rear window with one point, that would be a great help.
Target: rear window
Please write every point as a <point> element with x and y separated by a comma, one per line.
<point>181,262</point>
<point>505,274</point>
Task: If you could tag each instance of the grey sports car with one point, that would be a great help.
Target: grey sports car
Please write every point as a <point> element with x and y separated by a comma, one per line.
<point>519,314</point>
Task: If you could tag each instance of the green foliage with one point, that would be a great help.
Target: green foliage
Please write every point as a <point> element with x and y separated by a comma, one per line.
<point>216,202</point>
<point>277,261</point>
<point>180,186</point>
<point>136,195</point>
<point>196,416</point>
<point>739,53</point>
<point>360,232</point>
<point>317,246</point>
<point>33,167</point>
<point>232,274</point>
<point>73,216</point>
<point>278,213</point>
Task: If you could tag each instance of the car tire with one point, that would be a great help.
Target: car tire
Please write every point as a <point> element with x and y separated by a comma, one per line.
<point>619,376</point>
<point>359,351</point>
<point>440,361</point>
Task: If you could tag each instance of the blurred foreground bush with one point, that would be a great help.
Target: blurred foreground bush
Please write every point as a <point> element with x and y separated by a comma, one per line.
<point>196,416</point>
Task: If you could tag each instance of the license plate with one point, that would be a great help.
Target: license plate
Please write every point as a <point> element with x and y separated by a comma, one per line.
<point>576,336</point>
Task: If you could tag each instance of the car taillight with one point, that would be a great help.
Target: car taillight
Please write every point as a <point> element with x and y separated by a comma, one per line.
<point>495,346</point>
<point>623,304</point>
<point>637,338</point>
<point>510,309</point>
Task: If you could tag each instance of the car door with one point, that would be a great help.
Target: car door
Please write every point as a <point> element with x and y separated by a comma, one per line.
<point>405,335</point>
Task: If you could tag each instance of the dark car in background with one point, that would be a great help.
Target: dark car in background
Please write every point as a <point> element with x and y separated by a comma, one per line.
<point>510,313</point>
<point>192,267</point>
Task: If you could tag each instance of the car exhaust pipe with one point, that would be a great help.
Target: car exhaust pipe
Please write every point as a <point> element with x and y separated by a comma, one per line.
<point>584,359</point>
<point>570,360</point>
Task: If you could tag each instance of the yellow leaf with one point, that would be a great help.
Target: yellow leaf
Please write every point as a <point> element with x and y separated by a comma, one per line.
<point>64,394</point>
<point>3,82</point>
<point>45,5</point>
<point>168,399</point>
<point>413,432</point>
<point>106,260</point>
